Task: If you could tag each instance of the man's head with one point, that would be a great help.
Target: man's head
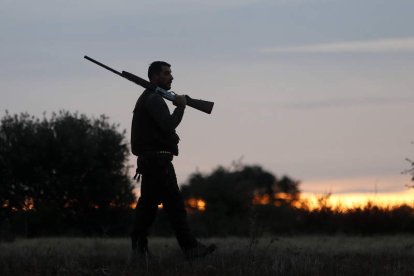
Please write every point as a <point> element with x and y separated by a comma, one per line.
<point>159,73</point>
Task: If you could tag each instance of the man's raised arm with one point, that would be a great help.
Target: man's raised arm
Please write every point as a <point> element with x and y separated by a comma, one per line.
<point>159,111</point>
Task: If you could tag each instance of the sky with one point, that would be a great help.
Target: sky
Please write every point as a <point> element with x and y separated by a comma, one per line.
<point>319,90</point>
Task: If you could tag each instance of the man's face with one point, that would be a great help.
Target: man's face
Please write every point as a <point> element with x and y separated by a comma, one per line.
<point>164,78</point>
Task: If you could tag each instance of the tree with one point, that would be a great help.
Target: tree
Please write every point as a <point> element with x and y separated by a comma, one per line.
<point>410,171</point>
<point>238,189</point>
<point>68,166</point>
<point>230,194</point>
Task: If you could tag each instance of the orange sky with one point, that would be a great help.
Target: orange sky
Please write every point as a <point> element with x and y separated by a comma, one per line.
<point>377,184</point>
<point>383,191</point>
<point>353,200</point>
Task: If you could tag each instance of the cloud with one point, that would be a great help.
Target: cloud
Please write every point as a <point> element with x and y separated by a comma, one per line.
<point>329,103</point>
<point>405,44</point>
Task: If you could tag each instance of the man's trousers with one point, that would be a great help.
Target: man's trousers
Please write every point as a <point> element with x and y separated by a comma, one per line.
<point>159,185</point>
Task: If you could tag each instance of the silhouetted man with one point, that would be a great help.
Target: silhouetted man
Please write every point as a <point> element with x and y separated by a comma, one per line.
<point>155,142</point>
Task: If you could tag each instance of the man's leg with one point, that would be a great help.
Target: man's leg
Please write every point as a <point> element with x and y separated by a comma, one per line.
<point>145,213</point>
<point>174,207</point>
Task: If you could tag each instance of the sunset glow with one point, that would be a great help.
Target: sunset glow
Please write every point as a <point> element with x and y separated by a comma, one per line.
<point>344,192</point>
<point>277,199</point>
<point>28,204</point>
<point>355,200</point>
<point>342,201</point>
<point>306,200</point>
<point>196,204</point>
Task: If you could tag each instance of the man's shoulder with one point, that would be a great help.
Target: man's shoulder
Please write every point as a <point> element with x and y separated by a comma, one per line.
<point>155,99</point>
<point>148,95</point>
<point>142,99</point>
<point>149,99</point>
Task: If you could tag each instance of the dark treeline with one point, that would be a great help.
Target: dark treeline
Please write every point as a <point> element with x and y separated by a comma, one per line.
<point>250,201</point>
<point>67,176</point>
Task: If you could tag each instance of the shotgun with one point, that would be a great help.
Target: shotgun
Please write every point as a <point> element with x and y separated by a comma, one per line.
<point>204,106</point>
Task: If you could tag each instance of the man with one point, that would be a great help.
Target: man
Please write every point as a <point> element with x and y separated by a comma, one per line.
<point>155,142</point>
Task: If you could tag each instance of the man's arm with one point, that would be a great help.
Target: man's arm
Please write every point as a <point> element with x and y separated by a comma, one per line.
<point>159,111</point>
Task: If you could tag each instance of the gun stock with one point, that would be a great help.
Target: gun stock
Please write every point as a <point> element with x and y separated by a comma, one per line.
<point>204,106</point>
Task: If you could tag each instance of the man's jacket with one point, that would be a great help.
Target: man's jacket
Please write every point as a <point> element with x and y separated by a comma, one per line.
<point>153,127</point>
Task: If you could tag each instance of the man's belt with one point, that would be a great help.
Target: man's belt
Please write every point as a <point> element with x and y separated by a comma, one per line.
<point>163,152</point>
<point>155,153</point>
<point>152,154</point>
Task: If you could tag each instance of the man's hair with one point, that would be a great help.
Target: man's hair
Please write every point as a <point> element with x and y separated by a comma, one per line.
<point>156,68</point>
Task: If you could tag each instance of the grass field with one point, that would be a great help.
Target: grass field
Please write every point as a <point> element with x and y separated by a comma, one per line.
<point>295,255</point>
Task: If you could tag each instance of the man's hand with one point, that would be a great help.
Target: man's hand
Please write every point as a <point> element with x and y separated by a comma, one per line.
<point>180,101</point>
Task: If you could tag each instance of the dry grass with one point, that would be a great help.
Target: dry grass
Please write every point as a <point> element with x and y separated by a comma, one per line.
<point>297,255</point>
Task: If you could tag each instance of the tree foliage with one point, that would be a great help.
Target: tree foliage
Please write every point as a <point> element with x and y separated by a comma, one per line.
<point>410,171</point>
<point>232,195</point>
<point>237,189</point>
<point>67,165</point>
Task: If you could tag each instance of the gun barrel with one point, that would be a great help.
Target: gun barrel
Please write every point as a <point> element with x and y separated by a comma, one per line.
<point>137,80</point>
<point>103,65</point>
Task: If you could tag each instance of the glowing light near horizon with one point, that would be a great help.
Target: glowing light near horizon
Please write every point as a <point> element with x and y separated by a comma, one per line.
<point>261,200</point>
<point>310,201</point>
<point>350,201</point>
<point>197,204</point>
<point>28,204</point>
<point>277,200</point>
<point>313,201</point>
<point>5,204</point>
